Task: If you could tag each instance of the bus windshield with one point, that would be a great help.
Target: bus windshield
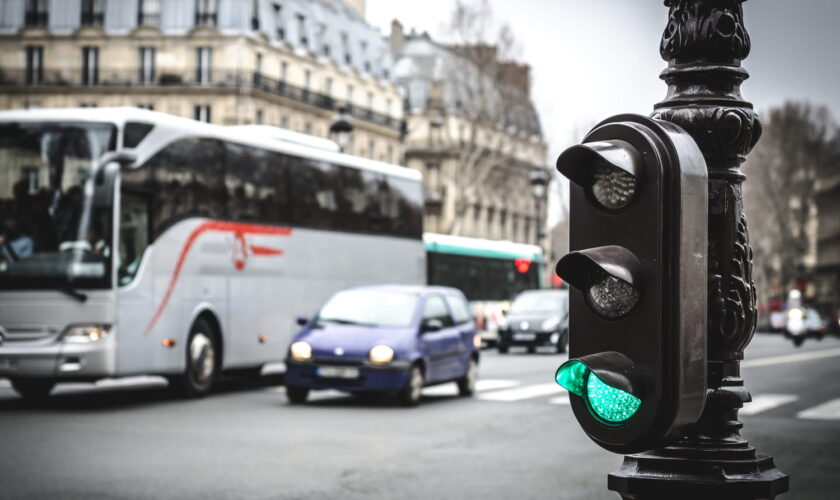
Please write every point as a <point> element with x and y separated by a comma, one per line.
<point>370,308</point>
<point>52,236</point>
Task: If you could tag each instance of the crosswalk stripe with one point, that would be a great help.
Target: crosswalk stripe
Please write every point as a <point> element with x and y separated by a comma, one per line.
<point>481,385</point>
<point>520,393</point>
<point>830,410</point>
<point>765,402</point>
<point>559,400</point>
<point>791,358</point>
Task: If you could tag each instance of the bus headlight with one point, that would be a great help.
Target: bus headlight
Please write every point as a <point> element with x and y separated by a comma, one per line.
<point>83,334</point>
<point>301,351</point>
<point>381,355</point>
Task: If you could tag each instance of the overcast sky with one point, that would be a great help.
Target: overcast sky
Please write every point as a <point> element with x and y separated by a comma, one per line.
<point>595,58</point>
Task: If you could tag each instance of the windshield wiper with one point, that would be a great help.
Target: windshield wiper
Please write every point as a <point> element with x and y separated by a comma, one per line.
<point>69,290</point>
<point>344,321</point>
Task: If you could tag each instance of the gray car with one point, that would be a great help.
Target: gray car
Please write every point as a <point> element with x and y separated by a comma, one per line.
<point>536,318</point>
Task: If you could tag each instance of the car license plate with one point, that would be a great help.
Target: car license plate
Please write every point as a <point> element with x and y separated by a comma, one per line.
<point>524,336</point>
<point>337,372</point>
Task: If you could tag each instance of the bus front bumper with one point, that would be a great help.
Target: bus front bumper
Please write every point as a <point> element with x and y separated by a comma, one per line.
<point>58,360</point>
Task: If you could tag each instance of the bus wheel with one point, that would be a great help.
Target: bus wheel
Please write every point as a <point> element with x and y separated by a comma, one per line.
<point>32,388</point>
<point>202,362</point>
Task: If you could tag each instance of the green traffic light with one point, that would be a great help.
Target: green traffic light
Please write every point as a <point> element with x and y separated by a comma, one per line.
<point>607,403</point>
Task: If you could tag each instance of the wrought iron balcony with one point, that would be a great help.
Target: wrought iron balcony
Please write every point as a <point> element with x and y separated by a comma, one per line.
<point>189,77</point>
<point>36,18</point>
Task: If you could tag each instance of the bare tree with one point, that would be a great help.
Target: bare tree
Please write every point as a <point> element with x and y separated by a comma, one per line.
<point>492,110</point>
<point>794,151</point>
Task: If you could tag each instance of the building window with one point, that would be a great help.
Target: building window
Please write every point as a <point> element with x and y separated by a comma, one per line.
<point>345,48</point>
<point>258,119</point>
<point>90,65</point>
<point>388,107</point>
<point>284,121</point>
<point>93,12</point>
<point>350,95</point>
<point>201,113</point>
<point>307,128</point>
<point>258,69</point>
<point>370,102</point>
<point>255,15</point>
<point>389,156</point>
<point>87,105</point>
<point>371,149</point>
<point>147,65</point>
<point>278,21</point>
<point>364,47</point>
<point>150,107</point>
<point>148,13</point>
<point>36,13</point>
<point>307,79</point>
<point>203,65</point>
<point>301,26</point>
<point>323,35</point>
<point>34,65</point>
<point>205,12</point>
<point>328,86</point>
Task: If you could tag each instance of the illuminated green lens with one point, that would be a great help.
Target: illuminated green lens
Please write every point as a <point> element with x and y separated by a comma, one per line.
<point>609,403</point>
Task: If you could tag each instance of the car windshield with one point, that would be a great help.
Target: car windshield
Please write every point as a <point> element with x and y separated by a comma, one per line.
<point>539,303</point>
<point>379,308</point>
<point>52,235</point>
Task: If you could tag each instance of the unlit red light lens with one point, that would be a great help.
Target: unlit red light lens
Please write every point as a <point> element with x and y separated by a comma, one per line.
<point>612,297</point>
<point>612,187</point>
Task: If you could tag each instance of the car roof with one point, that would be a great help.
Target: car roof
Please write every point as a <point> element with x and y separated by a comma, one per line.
<point>414,289</point>
<point>546,291</point>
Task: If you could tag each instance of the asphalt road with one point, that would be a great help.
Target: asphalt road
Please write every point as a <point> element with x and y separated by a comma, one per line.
<point>516,439</point>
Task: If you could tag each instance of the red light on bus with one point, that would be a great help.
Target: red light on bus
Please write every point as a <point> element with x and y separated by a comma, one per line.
<point>168,342</point>
<point>522,265</point>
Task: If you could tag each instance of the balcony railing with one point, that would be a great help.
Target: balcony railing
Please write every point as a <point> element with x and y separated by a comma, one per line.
<point>186,77</point>
<point>91,18</point>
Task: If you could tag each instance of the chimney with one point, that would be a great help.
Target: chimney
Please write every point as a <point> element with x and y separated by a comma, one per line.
<point>396,39</point>
<point>518,75</point>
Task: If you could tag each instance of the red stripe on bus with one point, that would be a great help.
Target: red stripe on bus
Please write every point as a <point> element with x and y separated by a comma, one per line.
<point>265,250</point>
<point>221,226</point>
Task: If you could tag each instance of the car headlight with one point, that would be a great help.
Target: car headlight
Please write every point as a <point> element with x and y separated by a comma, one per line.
<point>795,314</point>
<point>550,323</point>
<point>301,351</point>
<point>477,340</point>
<point>381,355</point>
<point>83,334</point>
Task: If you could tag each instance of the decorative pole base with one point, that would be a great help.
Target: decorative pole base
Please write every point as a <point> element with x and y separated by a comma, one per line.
<point>691,474</point>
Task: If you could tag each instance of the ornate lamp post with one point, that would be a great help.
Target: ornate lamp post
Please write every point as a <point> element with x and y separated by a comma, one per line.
<point>704,44</point>
<point>341,127</point>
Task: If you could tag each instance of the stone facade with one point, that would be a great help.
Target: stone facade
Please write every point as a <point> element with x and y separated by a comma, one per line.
<point>288,63</point>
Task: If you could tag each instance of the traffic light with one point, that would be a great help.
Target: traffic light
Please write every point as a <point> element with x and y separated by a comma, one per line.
<point>638,233</point>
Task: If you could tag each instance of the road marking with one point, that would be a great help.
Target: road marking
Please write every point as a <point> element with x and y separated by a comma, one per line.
<point>791,358</point>
<point>481,385</point>
<point>520,393</point>
<point>829,410</point>
<point>559,400</point>
<point>766,402</point>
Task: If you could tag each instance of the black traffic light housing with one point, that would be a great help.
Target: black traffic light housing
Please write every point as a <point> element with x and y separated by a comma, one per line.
<point>638,235</point>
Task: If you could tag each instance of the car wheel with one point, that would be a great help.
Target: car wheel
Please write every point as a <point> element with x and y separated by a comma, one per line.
<point>503,349</point>
<point>532,349</point>
<point>563,342</point>
<point>413,390</point>
<point>202,362</point>
<point>466,384</point>
<point>297,395</point>
<point>32,389</point>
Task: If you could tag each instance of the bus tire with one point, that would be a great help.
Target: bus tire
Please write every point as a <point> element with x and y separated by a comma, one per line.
<point>202,363</point>
<point>32,389</point>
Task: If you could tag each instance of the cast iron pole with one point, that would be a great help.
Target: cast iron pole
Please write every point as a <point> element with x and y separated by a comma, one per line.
<point>704,44</point>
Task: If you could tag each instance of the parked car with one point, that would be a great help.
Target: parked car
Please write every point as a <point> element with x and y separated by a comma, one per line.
<point>385,339</point>
<point>537,318</point>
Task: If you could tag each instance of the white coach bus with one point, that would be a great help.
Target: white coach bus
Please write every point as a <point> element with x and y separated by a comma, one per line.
<point>135,242</point>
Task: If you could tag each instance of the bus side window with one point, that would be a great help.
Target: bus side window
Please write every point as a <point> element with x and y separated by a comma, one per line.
<point>315,193</point>
<point>134,234</point>
<point>256,184</point>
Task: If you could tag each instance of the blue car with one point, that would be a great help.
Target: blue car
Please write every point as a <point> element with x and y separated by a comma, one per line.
<point>386,339</point>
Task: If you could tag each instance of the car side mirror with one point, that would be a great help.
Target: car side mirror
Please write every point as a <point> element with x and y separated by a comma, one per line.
<point>302,320</point>
<point>431,325</point>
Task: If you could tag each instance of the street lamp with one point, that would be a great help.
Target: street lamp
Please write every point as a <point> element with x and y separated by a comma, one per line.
<point>341,127</point>
<point>539,183</point>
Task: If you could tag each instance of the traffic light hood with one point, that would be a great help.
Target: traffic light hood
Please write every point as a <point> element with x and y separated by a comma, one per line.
<point>583,268</point>
<point>578,162</point>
